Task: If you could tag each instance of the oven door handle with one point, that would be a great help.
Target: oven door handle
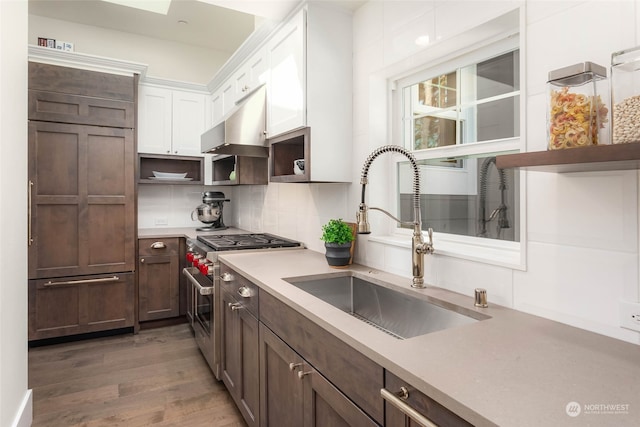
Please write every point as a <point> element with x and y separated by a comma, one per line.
<point>203,290</point>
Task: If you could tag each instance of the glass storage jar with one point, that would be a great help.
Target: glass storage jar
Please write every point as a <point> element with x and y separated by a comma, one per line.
<point>625,94</point>
<point>577,113</point>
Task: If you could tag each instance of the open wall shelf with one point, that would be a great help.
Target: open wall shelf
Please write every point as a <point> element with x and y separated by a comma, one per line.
<point>284,150</point>
<point>193,166</point>
<point>584,159</point>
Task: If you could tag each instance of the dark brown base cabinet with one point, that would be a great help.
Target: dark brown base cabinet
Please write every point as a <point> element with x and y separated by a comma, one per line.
<point>293,394</point>
<point>76,305</point>
<point>240,355</point>
<point>158,279</point>
<point>275,380</point>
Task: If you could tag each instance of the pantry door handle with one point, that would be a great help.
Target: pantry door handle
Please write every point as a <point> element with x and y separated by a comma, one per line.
<point>29,231</point>
<point>396,400</point>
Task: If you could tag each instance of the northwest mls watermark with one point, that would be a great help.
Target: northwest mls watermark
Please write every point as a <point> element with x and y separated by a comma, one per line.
<point>573,409</point>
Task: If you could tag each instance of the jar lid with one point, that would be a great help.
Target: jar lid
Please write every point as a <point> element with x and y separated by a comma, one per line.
<point>578,74</point>
<point>626,56</point>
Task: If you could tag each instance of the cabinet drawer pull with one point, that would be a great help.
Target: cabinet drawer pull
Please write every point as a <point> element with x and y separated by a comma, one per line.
<point>158,245</point>
<point>294,366</point>
<point>245,292</point>
<point>226,277</point>
<point>396,400</point>
<point>303,374</point>
<point>235,306</point>
<point>83,281</point>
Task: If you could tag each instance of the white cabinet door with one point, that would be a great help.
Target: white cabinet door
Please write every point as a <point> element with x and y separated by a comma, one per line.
<point>241,82</point>
<point>189,122</point>
<point>154,120</point>
<point>170,121</point>
<point>287,91</point>
<point>217,109</point>
<point>258,69</point>
<point>228,96</point>
<point>252,74</point>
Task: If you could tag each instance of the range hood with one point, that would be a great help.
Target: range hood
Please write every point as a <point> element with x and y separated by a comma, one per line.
<point>242,131</point>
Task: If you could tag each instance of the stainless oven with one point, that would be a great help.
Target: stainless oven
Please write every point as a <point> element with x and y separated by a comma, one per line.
<point>203,303</point>
<point>202,300</point>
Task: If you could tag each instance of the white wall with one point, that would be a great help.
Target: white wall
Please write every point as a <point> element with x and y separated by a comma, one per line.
<point>15,399</point>
<point>167,60</point>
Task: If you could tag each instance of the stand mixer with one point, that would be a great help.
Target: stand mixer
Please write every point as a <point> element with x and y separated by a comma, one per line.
<point>210,211</point>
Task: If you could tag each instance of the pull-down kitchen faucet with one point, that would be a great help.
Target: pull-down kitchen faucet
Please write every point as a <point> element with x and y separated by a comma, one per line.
<point>418,246</point>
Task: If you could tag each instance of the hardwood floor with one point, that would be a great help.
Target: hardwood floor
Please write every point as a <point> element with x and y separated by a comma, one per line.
<point>157,377</point>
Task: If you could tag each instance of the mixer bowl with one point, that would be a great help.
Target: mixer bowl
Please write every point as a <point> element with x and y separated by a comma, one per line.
<point>206,214</point>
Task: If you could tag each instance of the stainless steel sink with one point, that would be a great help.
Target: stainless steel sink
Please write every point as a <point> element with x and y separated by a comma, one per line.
<point>396,313</point>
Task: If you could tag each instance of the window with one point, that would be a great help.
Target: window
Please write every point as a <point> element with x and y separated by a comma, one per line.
<point>455,118</point>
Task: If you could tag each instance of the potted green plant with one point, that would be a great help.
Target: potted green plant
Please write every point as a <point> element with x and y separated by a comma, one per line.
<point>338,239</point>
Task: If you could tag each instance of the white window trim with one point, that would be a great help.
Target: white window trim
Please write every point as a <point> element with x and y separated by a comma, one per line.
<point>489,251</point>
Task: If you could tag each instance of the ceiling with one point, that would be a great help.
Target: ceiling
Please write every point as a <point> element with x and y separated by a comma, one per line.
<point>208,23</point>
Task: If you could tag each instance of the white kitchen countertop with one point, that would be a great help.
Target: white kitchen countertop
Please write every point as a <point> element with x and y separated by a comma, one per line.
<point>513,369</point>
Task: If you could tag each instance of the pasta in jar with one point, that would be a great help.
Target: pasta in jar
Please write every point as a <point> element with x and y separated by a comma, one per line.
<point>575,119</point>
<point>577,113</point>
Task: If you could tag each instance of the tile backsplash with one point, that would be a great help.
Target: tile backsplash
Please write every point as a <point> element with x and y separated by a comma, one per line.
<point>172,205</point>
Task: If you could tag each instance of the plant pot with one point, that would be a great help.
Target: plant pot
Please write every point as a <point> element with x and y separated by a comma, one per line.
<point>338,254</point>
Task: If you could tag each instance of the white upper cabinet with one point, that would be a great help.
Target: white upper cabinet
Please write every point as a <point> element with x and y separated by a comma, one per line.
<point>286,94</point>
<point>154,120</point>
<point>306,64</point>
<point>310,60</point>
<point>170,121</point>
<point>251,75</point>
<point>189,122</point>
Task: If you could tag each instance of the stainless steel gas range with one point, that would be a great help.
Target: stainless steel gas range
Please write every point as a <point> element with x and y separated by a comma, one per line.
<point>203,302</point>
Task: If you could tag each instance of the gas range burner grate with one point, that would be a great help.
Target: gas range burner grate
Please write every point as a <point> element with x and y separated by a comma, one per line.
<point>230,242</point>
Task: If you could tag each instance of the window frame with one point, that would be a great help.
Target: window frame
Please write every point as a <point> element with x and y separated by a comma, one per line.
<point>490,251</point>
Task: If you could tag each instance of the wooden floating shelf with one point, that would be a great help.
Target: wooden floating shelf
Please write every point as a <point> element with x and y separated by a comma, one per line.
<point>584,159</point>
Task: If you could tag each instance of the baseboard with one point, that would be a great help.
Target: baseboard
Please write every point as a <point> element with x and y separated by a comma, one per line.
<point>24,417</point>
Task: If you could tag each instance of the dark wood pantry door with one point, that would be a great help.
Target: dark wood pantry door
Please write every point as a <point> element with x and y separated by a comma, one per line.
<point>81,193</point>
